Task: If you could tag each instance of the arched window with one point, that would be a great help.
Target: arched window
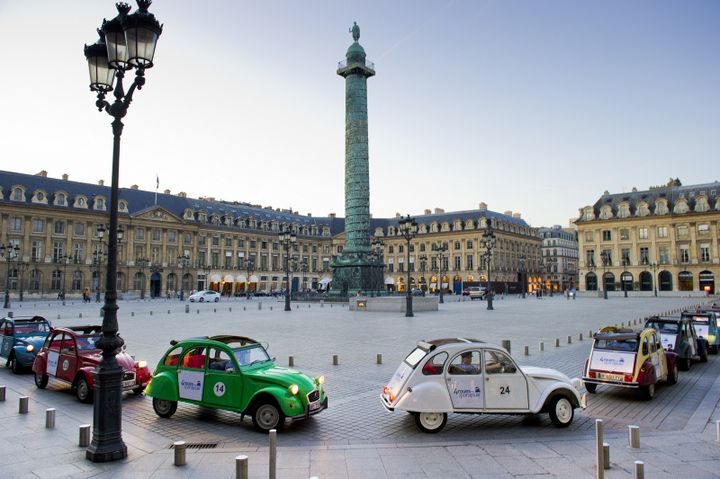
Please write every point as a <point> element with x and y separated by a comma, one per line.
<point>591,282</point>
<point>77,281</point>
<point>685,281</point>
<point>665,281</point>
<point>646,283</point>
<point>606,213</point>
<point>661,207</point>
<point>609,281</point>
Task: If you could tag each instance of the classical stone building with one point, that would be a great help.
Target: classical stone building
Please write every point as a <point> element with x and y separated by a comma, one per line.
<point>664,238</point>
<point>560,258</point>
<point>173,242</point>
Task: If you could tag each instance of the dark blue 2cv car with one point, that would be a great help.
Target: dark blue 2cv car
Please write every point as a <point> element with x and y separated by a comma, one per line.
<point>20,339</point>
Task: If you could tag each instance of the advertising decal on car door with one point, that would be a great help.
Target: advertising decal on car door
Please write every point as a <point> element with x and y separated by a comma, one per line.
<point>190,384</point>
<point>52,362</point>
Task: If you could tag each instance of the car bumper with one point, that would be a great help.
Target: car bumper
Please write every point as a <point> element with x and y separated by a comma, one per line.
<point>308,412</point>
<point>621,384</point>
<point>386,404</point>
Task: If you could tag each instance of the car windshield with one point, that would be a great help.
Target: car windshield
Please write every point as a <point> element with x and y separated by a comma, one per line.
<point>250,355</point>
<point>415,356</point>
<point>662,327</point>
<point>31,327</point>
<point>616,344</point>
<point>701,319</point>
<point>88,342</point>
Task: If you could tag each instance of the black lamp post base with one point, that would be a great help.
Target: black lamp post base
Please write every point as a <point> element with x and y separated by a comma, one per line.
<point>107,444</point>
<point>408,307</point>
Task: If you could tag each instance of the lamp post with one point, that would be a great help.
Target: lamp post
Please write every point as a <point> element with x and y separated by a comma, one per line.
<point>127,41</point>
<point>523,283</point>
<point>408,227</point>
<point>250,268</point>
<point>440,249</point>
<point>142,263</point>
<point>303,271</point>
<point>8,252</point>
<point>286,239</point>
<point>488,242</point>
<point>98,259</point>
<point>22,267</point>
<point>102,253</point>
<point>377,257</point>
<point>654,266</point>
<point>622,276</point>
<point>423,261</point>
<point>605,259</point>
<point>183,262</point>
<point>64,260</point>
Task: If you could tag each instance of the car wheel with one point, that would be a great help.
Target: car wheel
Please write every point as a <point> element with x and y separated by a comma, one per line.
<point>217,299</point>
<point>591,387</point>
<point>82,390</point>
<point>561,411</point>
<point>686,363</point>
<point>164,408</point>
<point>431,422</point>
<point>703,355</point>
<point>648,392</point>
<point>267,416</point>
<point>202,300</point>
<point>16,367</point>
<point>673,375</point>
<point>41,380</point>
<point>138,390</point>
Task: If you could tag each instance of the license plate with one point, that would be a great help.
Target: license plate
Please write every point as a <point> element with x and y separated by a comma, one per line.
<point>128,384</point>
<point>314,406</point>
<point>610,377</point>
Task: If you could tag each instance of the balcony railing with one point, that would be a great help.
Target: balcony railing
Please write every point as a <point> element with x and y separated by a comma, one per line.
<point>344,64</point>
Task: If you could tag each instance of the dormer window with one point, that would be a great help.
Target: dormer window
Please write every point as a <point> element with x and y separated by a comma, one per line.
<point>188,215</point>
<point>588,214</point>
<point>39,197</point>
<point>80,202</point>
<point>60,199</point>
<point>122,207</point>
<point>643,209</point>
<point>18,193</point>
<point>701,204</point>
<point>605,213</point>
<point>661,207</point>
<point>680,207</point>
<point>99,204</point>
<point>623,210</point>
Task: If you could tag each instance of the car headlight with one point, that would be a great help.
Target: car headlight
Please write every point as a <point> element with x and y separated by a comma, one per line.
<point>293,389</point>
<point>142,364</point>
<point>320,380</point>
<point>29,348</point>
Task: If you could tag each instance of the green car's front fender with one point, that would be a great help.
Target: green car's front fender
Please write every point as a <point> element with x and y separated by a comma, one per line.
<point>163,385</point>
<point>290,405</point>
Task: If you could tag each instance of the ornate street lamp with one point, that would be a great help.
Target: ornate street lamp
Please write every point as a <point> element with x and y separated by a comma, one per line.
<point>408,228</point>
<point>622,276</point>
<point>604,257</point>
<point>423,263</point>
<point>286,239</point>
<point>523,281</point>
<point>22,267</point>
<point>378,259</point>
<point>440,249</point>
<point>488,241</point>
<point>128,41</point>
<point>64,259</point>
<point>183,262</point>
<point>303,271</point>
<point>250,268</point>
<point>142,264</point>
<point>9,253</point>
<point>654,266</point>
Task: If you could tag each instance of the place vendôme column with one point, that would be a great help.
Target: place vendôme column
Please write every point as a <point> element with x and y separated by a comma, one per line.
<point>356,268</point>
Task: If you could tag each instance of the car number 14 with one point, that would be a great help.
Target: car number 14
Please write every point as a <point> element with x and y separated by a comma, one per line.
<point>219,389</point>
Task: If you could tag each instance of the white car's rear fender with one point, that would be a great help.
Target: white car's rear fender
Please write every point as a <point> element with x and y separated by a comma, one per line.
<point>425,397</point>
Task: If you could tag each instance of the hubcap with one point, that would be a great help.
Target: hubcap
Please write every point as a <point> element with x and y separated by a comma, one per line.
<point>163,406</point>
<point>563,410</point>
<point>267,416</point>
<point>431,420</point>
<point>82,389</point>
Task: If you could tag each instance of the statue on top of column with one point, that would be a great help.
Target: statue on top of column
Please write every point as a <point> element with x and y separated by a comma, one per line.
<point>355,30</point>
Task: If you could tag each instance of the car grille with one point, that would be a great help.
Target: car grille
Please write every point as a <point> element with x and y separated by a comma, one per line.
<point>128,376</point>
<point>313,396</point>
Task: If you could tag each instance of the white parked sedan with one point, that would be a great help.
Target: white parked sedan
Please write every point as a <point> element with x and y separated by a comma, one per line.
<point>470,376</point>
<point>205,296</point>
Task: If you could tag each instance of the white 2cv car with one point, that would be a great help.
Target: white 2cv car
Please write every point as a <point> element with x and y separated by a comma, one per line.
<point>469,376</point>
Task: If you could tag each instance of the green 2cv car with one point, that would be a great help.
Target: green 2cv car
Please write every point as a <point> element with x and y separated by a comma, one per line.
<point>233,373</point>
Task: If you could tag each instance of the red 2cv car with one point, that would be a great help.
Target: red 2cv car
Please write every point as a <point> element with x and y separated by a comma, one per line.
<point>71,355</point>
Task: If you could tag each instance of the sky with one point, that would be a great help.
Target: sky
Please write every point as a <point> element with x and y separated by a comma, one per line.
<point>535,107</point>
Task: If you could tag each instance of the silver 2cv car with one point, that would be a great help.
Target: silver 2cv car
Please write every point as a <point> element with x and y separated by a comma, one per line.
<point>469,376</point>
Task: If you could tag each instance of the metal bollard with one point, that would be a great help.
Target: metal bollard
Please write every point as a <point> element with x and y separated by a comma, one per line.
<point>569,339</point>
<point>717,423</point>
<point>557,342</point>
<point>580,337</point>
<point>273,454</point>
<point>639,470</point>
<point>600,461</point>
<point>270,308</point>
<point>241,467</point>
<point>24,404</point>
<point>542,346</point>
<point>84,439</point>
<point>50,418</point>
<point>229,310</point>
<point>634,436</point>
<point>259,305</point>
<point>79,315</point>
<point>197,312</point>
<point>214,310</point>
<point>606,455</point>
<point>590,334</point>
<point>506,345</point>
<point>180,449</point>
<point>2,395</point>
<point>187,308</point>
<point>379,359</point>
<point>335,359</point>
<point>150,312</point>
<point>526,350</point>
<point>168,311</point>
<point>291,361</point>
<point>132,313</point>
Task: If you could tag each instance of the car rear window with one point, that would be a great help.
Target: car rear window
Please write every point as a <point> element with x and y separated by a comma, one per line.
<point>616,344</point>
<point>415,356</point>
<point>701,319</point>
<point>662,327</point>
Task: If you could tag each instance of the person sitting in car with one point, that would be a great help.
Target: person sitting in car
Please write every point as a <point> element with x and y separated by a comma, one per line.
<point>466,366</point>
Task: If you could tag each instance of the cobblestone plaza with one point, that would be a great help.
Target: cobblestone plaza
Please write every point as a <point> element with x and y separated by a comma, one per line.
<point>356,437</point>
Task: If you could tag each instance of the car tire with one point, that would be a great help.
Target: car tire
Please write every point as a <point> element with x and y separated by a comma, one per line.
<point>648,392</point>
<point>267,416</point>
<point>685,363</point>
<point>164,408</point>
<point>138,390</point>
<point>202,300</point>
<point>591,387</point>
<point>703,355</point>
<point>673,375</point>
<point>217,299</point>
<point>83,391</point>
<point>41,380</point>
<point>561,411</point>
<point>16,367</point>
<point>430,422</point>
